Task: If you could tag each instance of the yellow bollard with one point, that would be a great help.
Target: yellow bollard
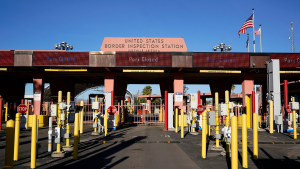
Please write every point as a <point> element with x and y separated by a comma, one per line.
<point>255,138</point>
<point>160,112</point>
<point>176,120</point>
<point>17,137</point>
<point>208,130</point>
<point>271,117</point>
<point>76,137</point>
<point>217,116</point>
<point>244,141</point>
<point>259,121</point>
<point>294,121</point>
<point>105,123</point>
<point>96,119</point>
<point>193,121</point>
<point>6,111</point>
<point>81,116</point>
<point>9,145</point>
<point>58,149</point>
<point>68,125</point>
<point>33,141</point>
<point>227,118</point>
<point>182,124</point>
<point>204,134</point>
<point>78,124</point>
<point>234,143</point>
<point>27,116</point>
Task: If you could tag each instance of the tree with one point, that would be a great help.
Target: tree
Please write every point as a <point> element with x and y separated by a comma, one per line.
<point>232,88</point>
<point>208,102</point>
<point>147,90</point>
<point>156,100</point>
<point>185,89</point>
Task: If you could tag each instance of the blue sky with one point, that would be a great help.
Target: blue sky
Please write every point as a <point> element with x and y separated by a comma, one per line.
<point>38,25</point>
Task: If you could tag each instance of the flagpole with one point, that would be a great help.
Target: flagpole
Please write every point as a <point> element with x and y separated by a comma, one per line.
<point>248,42</point>
<point>253,33</point>
<point>260,39</point>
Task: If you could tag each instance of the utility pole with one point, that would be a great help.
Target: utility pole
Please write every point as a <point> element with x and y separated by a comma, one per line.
<point>292,38</point>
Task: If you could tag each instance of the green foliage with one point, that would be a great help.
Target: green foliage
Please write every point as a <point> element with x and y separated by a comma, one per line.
<point>147,90</point>
<point>156,100</point>
<point>232,88</point>
<point>143,100</point>
<point>185,89</point>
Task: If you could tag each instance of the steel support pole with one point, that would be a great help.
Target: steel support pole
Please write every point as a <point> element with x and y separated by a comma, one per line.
<point>58,149</point>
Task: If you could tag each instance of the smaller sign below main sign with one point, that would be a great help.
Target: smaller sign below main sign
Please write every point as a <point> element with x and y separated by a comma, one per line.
<point>178,97</point>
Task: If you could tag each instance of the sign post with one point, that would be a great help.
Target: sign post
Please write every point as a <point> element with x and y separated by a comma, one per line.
<point>111,118</point>
<point>22,109</point>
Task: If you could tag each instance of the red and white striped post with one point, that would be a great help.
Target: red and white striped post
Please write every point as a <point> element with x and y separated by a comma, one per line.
<point>166,110</point>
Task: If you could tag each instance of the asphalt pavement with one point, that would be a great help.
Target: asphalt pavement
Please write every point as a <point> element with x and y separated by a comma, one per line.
<point>149,146</point>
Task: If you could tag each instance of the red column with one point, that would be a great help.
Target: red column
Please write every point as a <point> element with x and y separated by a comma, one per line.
<point>199,97</point>
<point>286,94</point>
<point>1,112</point>
<point>166,110</point>
<point>112,98</point>
<point>38,91</point>
<point>178,88</point>
<point>247,85</point>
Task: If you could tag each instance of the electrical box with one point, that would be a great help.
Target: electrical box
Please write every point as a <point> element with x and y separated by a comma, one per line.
<point>188,120</point>
<point>62,116</point>
<point>294,105</point>
<point>291,116</point>
<point>62,105</point>
<point>278,119</point>
<point>223,109</point>
<point>212,118</point>
<point>230,105</point>
<point>72,107</point>
<point>95,105</point>
<point>53,110</point>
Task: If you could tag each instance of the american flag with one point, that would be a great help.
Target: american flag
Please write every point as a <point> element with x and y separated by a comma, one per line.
<point>257,32</point>
<point>247,24</point>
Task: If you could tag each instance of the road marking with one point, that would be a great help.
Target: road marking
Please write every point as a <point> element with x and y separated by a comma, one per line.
<point>103,142</point>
